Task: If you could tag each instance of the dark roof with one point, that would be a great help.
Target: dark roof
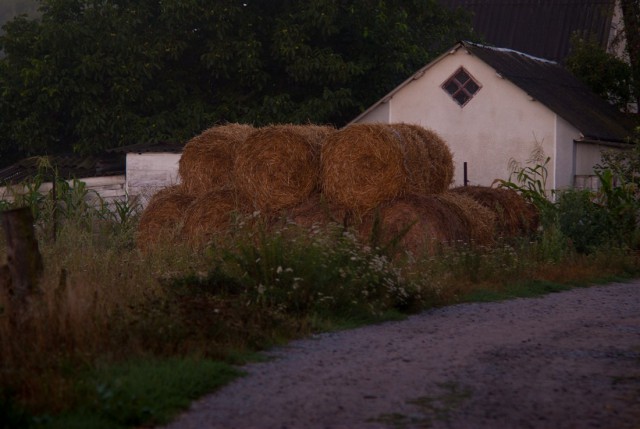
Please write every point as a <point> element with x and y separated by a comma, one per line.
<point>171,147</point>
<point>552,85</point>
<point>66,166</point>
<point>538,27</point>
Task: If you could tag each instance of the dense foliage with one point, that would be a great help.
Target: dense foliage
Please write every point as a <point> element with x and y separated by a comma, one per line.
<point>92,75</point>
<point>609,76</point>
<point>588,219</point>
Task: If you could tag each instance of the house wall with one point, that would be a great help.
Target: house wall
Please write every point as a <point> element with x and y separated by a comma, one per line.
<point>499,125</point>
<point>147,173</point>
<point>565,160</point>
<point>587,156</point>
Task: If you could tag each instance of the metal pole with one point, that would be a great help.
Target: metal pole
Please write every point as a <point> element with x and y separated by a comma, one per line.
<point>466,182</point>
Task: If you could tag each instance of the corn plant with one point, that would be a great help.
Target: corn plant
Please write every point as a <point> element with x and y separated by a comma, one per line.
<point>531,182</point>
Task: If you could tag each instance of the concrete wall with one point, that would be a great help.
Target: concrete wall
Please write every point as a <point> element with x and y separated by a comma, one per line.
<point>587,156</point>
<point>147,173</point>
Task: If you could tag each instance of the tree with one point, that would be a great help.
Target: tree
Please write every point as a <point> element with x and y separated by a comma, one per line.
<point>94,74</point>
<point>607,75</point>
<point>631,16</point>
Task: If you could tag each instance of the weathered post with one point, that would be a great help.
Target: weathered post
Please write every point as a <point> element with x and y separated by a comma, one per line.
<point>23,259</point>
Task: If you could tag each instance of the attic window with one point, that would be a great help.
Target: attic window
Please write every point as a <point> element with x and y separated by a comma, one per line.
<point>461,86</point>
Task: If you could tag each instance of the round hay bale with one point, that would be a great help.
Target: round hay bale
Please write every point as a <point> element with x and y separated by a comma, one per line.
<point>514,215</point>
<point>210,214</point>
<point>206,163</point>
<point>479,220</point>
<point>362,166</point>
<point>278,166</point>
<point>162,216</point>
<point>428,159</point>
<point>421,224</point>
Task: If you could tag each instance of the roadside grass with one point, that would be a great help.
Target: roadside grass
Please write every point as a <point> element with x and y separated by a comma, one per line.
<point>123,338</point>
<point>140,392</point>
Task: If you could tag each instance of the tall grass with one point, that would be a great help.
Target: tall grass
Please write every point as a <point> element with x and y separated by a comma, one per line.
<point>104,303</point>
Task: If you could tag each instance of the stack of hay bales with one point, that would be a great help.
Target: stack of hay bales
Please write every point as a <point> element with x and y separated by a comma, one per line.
<point>395,179</point>
<point>236,170</point>
<point>206,178</point>
<point>391,178</point>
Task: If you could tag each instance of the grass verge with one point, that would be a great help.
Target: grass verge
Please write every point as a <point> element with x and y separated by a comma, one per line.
<point>121,338</point>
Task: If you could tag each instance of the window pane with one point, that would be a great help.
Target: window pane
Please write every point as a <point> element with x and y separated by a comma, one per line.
<point>472,87</point>
<point>461,97</point>
<point>451,87</point>
<point>462,77</point>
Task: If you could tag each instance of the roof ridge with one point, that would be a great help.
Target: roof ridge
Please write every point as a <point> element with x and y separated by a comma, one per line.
<point>495,48</point>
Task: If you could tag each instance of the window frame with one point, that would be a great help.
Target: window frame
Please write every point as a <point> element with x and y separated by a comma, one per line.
<point>461,86</point>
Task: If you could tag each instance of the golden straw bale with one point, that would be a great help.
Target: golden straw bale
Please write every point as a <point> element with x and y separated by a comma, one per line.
<point>424,223</point>
<point>210,214</point>
<point>362,166</point>
<point>162,216</point>
<point>514,215</point>
<point>206,163</point>
<point>278,166</point>
<point>479,220</point>
<point>428,159</point>
<point>420,223</point>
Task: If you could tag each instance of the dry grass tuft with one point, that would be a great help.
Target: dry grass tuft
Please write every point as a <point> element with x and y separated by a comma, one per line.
<point>278,166</point>
<point>206,163</point>
<point>514,215</point>
<point>162,216</point>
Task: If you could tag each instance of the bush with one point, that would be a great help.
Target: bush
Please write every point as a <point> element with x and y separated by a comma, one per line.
<point>586,224</point>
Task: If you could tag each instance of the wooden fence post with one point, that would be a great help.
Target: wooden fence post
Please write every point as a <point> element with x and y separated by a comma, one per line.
<point>23,258</point>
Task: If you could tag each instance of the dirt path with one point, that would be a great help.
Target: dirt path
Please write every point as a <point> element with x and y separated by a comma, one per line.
<point>567,360</point>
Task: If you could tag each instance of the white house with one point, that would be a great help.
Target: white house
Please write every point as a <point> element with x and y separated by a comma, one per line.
<point>494,106</point>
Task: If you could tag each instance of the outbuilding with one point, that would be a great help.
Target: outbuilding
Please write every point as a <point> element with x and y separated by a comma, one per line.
<point>496,108</point>
<point>150,167</point>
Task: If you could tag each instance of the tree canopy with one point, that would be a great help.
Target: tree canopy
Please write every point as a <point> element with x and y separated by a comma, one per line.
<point>96,74</point>
<point>613,78</point>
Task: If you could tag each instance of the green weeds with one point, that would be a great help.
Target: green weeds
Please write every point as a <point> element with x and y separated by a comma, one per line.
<point>140,392</point>
<point>113,323</point>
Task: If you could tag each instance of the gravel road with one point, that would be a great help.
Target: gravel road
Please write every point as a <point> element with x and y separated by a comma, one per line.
<point>566,360</point>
